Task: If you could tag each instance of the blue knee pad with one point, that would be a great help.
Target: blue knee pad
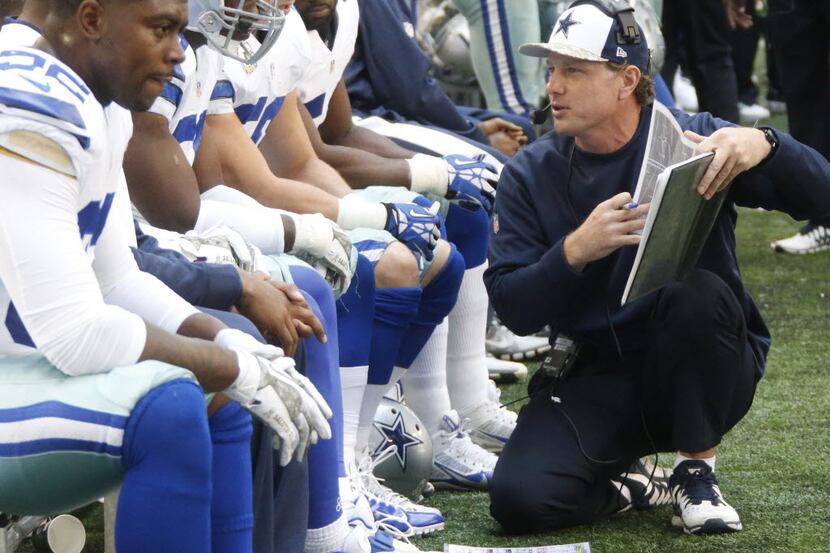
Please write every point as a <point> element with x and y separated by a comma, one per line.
<point>232,515</point>
<point>355,311</point>
<point>395,309</point>
<point>470,232</point>
<point>437,300</point>
<point>168,473</point>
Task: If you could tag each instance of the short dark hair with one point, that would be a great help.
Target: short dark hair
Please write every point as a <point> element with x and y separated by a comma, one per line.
<point>644,93</point>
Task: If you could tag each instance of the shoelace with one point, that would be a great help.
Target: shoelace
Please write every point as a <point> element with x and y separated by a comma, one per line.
<point>374,484</point>
<point>462,447</point>
<point>700,487</point>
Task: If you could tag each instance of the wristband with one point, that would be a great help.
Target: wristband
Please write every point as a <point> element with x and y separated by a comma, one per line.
<point>428,174</point>
<point>312,234</point>
<point>355,212</point>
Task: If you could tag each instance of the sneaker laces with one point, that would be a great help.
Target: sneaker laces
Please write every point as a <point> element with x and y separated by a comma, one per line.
<point>701,487</point>
<point>374,484</point>
<point>362,482</point>
<point>460,446</point>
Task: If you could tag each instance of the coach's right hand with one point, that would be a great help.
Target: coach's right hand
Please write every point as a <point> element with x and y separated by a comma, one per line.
<point>610,226</point>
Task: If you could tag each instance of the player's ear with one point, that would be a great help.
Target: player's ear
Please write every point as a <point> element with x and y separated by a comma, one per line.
<point>630,76</point>
<point>90,18</point>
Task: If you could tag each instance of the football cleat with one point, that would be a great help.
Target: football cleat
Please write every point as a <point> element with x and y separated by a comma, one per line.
<point>810,239</point>
<point>490,424</point>
<point>648,484</point>
<point>502,343</point>
<point>505,371</point>
<point>420,519</point>
<point>459,464</point>
<point>699,506</point>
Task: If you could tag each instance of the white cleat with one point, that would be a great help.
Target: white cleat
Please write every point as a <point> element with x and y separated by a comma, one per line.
<point>751,114</point>
<point>459,464</point>
<point>490,425</point>
<point>505,371</point>
<point>504,344</point>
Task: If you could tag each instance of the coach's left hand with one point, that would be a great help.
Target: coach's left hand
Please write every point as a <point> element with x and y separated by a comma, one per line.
<point>737,149</point>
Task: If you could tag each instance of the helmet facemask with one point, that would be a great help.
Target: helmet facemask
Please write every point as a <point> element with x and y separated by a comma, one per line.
<point>222,26</point>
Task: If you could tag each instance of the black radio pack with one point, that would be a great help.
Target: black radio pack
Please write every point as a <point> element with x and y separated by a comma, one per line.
<point>560,359</point>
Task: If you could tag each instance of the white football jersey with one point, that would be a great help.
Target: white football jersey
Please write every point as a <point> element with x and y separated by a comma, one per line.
<point>329,64</point>
<point>256,92</point>
<point>41,95</point>
<point>185,100</point>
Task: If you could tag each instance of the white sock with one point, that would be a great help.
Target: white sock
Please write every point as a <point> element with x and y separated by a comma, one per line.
<point>353,384</point>
<point>425,383</point>
<point>466,357</point>
<point>710,461</point>
<point>371,400</point>
<point>328,538</point>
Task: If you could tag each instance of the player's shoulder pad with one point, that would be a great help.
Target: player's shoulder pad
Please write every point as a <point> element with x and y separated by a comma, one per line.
<point>38,91</point>
<point>38,149</point>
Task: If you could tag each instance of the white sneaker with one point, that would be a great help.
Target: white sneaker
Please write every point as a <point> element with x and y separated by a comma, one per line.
<point>684,93</point>
<point>490,425</point>
<point>502,343</point>
<point>505,371</point>
<point>810,239</point>
<point>421,519</point>
<point>459,463</point>
<point>699,506</point>
<point>750,114</point>
<point>777,106</point>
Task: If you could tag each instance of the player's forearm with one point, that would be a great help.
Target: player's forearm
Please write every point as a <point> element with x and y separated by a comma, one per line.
<point>321,175</point>
<point>361,168</point>
<point>370,141</point>
<point>291,195</point>
<point>214,367</point>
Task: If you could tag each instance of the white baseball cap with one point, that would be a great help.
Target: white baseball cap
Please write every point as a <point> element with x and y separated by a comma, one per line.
<point>587,32</point>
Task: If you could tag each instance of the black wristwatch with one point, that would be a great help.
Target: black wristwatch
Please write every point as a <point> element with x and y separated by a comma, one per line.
<point>772,138</point>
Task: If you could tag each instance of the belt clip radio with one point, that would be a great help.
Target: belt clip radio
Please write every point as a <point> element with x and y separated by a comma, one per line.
<point>561,358</point>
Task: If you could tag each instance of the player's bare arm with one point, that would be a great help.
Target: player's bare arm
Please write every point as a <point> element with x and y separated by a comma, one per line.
<point>156,168</point>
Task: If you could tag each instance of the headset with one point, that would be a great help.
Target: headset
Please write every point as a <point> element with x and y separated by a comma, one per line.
<point>623,12</point>
<point>620,10</point>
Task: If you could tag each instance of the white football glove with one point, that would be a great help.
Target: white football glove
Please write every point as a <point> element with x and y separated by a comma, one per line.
<point>273,391</point>
<point>232,338</point>
<point>221,244</point>
<point>323,245</point>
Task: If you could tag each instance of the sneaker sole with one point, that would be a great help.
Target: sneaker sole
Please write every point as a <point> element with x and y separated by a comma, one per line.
<point>426,530</point>
<point>521,355</point>
<point>711,526</point>
<point>780,249</point>
<point>451,486</point>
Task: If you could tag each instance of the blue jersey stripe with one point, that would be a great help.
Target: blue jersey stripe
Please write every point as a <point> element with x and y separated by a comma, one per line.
<point>16,328</point>
<point>315,106</point>
<point>39,447</point>
<point>45,105</point>
<point>172,93</point>
<point>60,410</point>
<point>223,89</point>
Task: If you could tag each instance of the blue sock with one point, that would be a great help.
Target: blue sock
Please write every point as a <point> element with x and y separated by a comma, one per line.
<point>166,496</point>
<point>232,516</point>
<point>325,459</point>
<point>395,309</point>
<point>437,300</point>
<point>355,311</point>
<point>470,232</point>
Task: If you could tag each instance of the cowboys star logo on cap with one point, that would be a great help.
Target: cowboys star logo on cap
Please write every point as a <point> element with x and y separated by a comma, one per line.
<point>565,24</point>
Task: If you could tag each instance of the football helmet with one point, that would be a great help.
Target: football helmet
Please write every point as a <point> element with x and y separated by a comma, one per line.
<point>225,27</point>
<point>401,437</point>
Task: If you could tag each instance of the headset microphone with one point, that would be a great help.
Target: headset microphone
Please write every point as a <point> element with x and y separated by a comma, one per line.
<point>539,116</point>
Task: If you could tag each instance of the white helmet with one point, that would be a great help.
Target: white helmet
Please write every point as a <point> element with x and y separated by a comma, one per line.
<point>220,24</point>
